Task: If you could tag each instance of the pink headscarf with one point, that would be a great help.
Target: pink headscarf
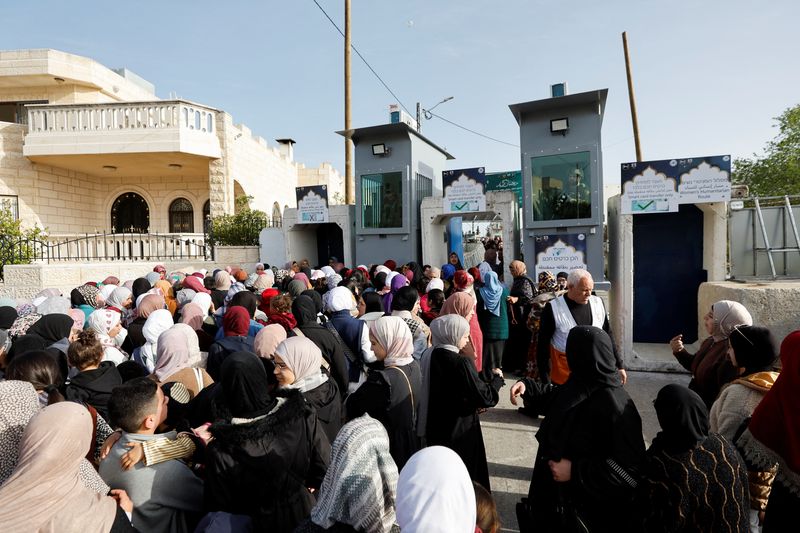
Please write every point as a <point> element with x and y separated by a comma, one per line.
<point>302,277</point>
<point>267,339</point>
<point>393,334</point>
<point>194,283</point>
<point>461,303</point>
<point>193,315</point>
<point>78,317</point>
<point>172,353</point>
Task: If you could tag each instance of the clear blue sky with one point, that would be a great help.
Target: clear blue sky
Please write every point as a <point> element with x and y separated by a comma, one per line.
<point>710,76</point>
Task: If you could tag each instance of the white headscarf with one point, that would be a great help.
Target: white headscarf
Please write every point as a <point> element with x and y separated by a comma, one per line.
<point>317,274</point>
<point>202,300</point>
<point>435,494</point>
<point>106,290</point>
<point>435,283</point>
<point>448,330</point>
<point>328,271</point>
<point>393,334</point>
<point>304,359</point>
<point>157,323</point>
<point>383,268</point>
<point>119,295</point>
<point>340,299</point>
<point>389,278</point>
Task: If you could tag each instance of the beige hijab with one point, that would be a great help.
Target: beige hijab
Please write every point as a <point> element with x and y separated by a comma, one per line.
<point>727,315</point>
<point>45,492</point>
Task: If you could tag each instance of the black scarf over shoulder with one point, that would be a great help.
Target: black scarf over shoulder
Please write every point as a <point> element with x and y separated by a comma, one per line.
<point>683,417</point>
<point>592,365</point>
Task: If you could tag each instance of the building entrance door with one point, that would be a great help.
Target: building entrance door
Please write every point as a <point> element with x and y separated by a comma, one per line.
<point>330,243</point>
<point>130,214</point>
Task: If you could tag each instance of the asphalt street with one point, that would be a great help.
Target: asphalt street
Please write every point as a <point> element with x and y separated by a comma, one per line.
<point>511,446</point>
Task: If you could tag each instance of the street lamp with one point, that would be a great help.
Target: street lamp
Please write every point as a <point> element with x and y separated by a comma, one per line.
<point>427,112</point>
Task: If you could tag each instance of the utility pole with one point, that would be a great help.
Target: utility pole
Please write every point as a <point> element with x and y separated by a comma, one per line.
<point>419,118</point>
<point>349,179</point>
<point>632,99</point>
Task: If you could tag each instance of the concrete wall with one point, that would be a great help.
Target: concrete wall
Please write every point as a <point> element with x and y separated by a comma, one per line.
<point>775,305</point>
<point>324,174</point>
<point>300,240</point>
<point>241,256</point>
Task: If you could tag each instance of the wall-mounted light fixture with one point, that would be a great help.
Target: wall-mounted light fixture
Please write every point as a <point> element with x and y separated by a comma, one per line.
<point>381,150</point>
<point>109,168</point>
<point>559,126</point>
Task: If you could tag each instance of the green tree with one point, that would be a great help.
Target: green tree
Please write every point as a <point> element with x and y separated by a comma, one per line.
<point>18,246</point>
<point>777,172</point>
<point>239,229</point>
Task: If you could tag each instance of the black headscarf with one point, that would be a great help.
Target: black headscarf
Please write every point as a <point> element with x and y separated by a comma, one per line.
<point>245,386</point>
<point>304,311</point>
<point>139,287</point>
<point>7,316</point>
<point>683,417</point>
<point>24,344</point>
<point>316,297</point>
<point>754,348</point>
<point>245,299</point>
<point>592,367</point>
<point>52,328</point>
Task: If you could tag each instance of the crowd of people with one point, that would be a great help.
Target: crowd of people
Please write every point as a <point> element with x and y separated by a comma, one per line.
<point>348,400</point>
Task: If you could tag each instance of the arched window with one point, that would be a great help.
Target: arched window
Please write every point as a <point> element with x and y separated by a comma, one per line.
<point>181,216</point>
<point>130,214</point>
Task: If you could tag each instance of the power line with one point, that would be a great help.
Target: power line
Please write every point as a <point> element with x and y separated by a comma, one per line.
<point>472,131</point>
<point>395,96</point>
<point>362,58</point>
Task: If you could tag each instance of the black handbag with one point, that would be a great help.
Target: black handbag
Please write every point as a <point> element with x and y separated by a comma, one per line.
<point>567,518</point>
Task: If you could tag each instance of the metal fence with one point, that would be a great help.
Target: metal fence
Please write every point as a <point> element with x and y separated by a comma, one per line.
<point>750,252</point>
<point>101,247</point>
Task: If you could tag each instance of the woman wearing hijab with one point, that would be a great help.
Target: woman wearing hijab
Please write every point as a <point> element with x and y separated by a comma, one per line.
<point>266,453</point>
<point>268,339</point>
<point>435,494</point>
<point>236,323</point>
<point>121,301</point>
<point>493,319</point>
<point>169,294</point>
<point>55,330</point>
<point>354,332</point>
<point>193,316</point>
<point>590,442</point>
<point>545,291</point>
<point>174,361</point>
<point>754,357</point>
<point>298,366</point>
<point>107,326</point>
<point>392,395</point>
<point>305,312</point>
<point>770,443</point>
<point>360,451</point>
<point>222,283</point>
<point>398,281</point>
<point>140,286</point>
<point>157,323</point>
<point>462,304</point>
<point>710,367</point>
<point>301,276</point>
<point>145,305</point>
<point>456,393</point>
<point>45,492</point>
<point>686,460</point>
<point>248,301</point>
<point>85,298</point>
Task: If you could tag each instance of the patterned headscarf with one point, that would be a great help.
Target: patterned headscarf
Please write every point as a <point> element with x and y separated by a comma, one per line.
<point>547,282</point>
<point>22,324</point>
<point>89,294</point>
<point>360,485</point>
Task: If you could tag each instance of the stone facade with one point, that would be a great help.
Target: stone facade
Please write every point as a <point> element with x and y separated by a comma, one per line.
<point>67,201</point>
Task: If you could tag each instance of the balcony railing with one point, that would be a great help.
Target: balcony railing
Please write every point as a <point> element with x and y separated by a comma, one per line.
<point>162,114</point>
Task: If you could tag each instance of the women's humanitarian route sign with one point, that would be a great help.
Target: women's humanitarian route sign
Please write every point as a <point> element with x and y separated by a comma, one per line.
<point>660,186</point>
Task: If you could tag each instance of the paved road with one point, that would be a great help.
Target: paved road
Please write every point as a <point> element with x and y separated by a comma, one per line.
<point>511,446</point>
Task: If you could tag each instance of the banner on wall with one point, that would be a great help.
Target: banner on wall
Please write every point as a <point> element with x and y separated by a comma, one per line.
<point>661,186</point>
<point>506,181</point>
<point>312,204</point>
<point>560,253</point>
<point>464,190</point>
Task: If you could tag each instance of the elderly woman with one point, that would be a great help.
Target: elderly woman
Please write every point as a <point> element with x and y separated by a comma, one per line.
<point>710,367</point>
<point>391,395</point>
<point>590,442</point>
<point>462,304</point>
<point>360,451</point>
<point>298,366</point>
<point>456,394</point>
<point>686,460</point>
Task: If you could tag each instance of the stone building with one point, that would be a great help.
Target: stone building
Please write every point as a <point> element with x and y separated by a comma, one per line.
<point>87,149</point>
